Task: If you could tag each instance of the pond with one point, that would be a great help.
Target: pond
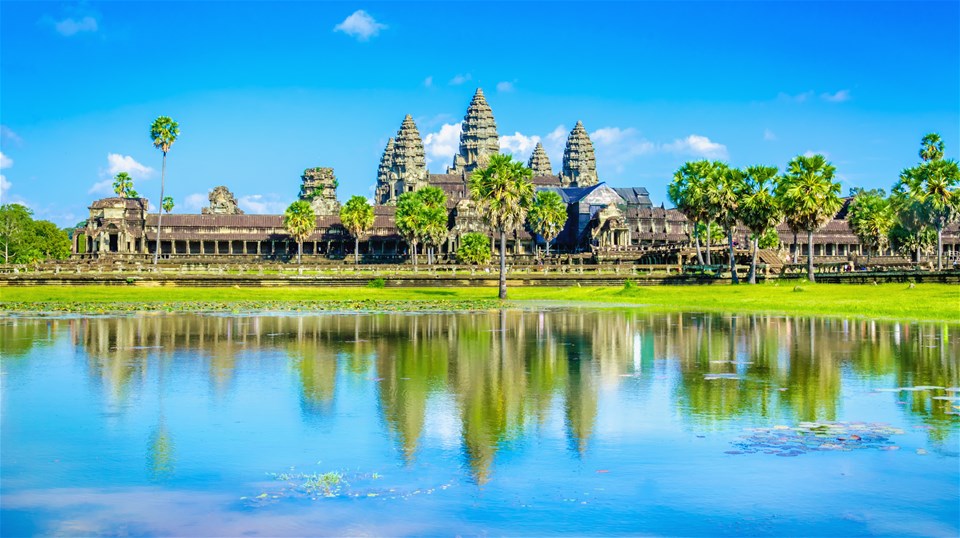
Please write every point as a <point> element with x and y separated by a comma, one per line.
<point>527,421</point>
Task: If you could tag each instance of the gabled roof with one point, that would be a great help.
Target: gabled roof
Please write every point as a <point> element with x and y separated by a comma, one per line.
<point>634,195</point>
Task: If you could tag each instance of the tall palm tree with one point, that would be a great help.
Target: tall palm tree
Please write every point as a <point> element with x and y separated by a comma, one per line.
<point>759,210</point>
<point>434,219</point>
<point>123,185</point>
<point>163,132</point>
<point>723,203</point>
<point>809,197</point>
<point>504,193</point>
<point>410,221</point>
<point>357,217</point>
<point>686,192</point>
<point>935,187</point>
<point>547,216</point>
<point>871,217</point>
<point>300,221</point>
<point>931,147</point>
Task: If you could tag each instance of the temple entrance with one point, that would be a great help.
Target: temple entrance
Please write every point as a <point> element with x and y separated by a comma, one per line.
<point>114,242</point>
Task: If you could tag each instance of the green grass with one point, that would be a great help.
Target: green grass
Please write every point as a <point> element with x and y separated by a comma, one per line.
<point>888,301</point>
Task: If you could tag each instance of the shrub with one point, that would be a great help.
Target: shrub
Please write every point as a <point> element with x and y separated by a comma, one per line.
<point>629,285</point>
<point>377,283</point>
<point>474,248</point>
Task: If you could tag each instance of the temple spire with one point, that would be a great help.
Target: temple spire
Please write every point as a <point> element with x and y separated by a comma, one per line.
<point>409,160</point>
<point>539,163</point>
<point>478,136</point>
<point>385,191</point>
<point>579,161</point>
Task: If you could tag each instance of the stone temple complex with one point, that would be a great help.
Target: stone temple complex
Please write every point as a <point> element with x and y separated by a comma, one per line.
<point>617,222</point>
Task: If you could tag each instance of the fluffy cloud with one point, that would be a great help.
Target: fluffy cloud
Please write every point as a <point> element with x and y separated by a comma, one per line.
<point>697,146</point>
<point>7,133</point>
<point>194,202</point>
<point>441,145</point>
<point>798,98</point>
<point>505,86</point>
<point>5,162</point>
<point>360,25</point>
<point>836,97</point>
<point>69,26</point>
<point>269,204</point>
<point>117,163</point>
<point>811,153</point>
<point>460,79</point>
<point>519,145</point>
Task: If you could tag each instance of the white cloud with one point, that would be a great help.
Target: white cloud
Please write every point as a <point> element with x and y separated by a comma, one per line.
<point>519,145</point>
<point>428,82</point>
<point>102,187</point>
<point>769,135</point>
<point>7,133</point>
<point>117,163</point>
<point>811,153</point>
<point>505,86</point>
<point>72,26</point>
<point>360,25</point>
<point>460,79</point>
<point>4,186</point>
<point>798,98</point>
<point>698,146</point>
<point>194,202</point>
<point>836,97</point>
<point>261,204</point>
<point>5,162</point>
<point>443,144</point>
<point>615,146</point>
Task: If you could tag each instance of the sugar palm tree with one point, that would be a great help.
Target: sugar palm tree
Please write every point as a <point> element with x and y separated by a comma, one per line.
<point>357,217</point>
<point>759,210</point>
<point>931,147</point>
<point>809,197</point>
<point>871,217</point>
<point>547,216</point>
<point>410,221</point>
<point>504,193</point>
<point>686,192</point>
<point>300,221</point>
<point>434,219</point>
<point>167,204</point>
<point>123,185</point>
<point>723,203</point>
<point>935,188</point>
<point>163,132</point>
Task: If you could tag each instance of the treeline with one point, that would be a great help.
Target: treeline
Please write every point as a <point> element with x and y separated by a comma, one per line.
<point>25,240</point>
<point>924,201</point>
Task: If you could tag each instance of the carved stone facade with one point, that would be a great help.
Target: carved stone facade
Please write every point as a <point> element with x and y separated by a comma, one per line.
<point>403,166</point>
<point>579,161</point>
<point>478,137</point>
<point>222,202</point>
<point>320,189</point>
<point>115,225</point>
<point>539,163</point>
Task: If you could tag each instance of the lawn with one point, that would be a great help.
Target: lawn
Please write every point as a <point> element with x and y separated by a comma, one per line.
<point>887,301</point>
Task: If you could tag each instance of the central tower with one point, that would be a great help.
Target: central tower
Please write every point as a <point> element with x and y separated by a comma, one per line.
<point>478,137</point>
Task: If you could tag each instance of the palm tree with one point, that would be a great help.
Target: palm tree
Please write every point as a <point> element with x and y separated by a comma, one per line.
<point>167,204</point>
<point>931,147</point>
<point>686,192</point>
<point>410,221</point>
<point>722,194</point>
<point>503,192</point>
<point>759,210</point>
<point>871,217</point>
<point>547,216</point>
<point>357,217</point>
<point>809,197</point>
<point>935,187</point>
<point>434,218</point>
<point>299,220</point>
<point>163,132</point>
<point>123,185</point>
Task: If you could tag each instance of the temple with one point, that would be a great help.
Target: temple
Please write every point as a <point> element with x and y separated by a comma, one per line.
<point>608,222</point>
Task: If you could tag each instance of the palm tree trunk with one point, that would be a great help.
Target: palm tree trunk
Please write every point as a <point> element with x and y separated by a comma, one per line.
<point>548,247</point>
<point>503,265</point>
<point>708,243</point>
<point>299,251</point>
<point>753,263</point>
<point>733,258</point>
<point>796,248</point>
<point>413,250</point>
<point>356,250</point>
<point>939,248</point>
<point>810,276</point>
<point>696,242</point>
<point>163,173</point>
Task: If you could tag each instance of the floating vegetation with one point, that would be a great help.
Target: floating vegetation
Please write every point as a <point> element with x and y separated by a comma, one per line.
<point>789,441</point>
<point>363,305</point>
<point>329,485</point>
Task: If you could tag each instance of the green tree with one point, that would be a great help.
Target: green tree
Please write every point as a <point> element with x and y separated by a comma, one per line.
<point>809,197</point>
<point>723,204</point>
<point>167,204</point>
<point>15,221</point>
<point>163,132</point>
<point>871,217</point>
<point>935,187</point>
<point>123,185</point>
<point>410,221</point>
<point>48,241</point>
<point>435,219</point>
<point>687,193</point>
<point>474,248</point>
<point>300,221</point>
<point>357,217</point>
<point>547,216</point>
<point>759,210</point>
<point>26,240</point>
<point>504,193</point>
<point>910,235</point>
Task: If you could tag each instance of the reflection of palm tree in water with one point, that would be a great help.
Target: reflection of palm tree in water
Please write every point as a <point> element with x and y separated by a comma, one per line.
<point>160,458</point>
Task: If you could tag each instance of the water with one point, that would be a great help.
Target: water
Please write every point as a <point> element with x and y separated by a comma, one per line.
<point>522,422</point>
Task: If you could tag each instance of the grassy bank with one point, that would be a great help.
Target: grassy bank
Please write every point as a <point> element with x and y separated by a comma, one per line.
<point>888,301</point>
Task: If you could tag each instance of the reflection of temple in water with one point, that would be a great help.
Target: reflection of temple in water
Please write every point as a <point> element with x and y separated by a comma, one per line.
<point>500,376</point>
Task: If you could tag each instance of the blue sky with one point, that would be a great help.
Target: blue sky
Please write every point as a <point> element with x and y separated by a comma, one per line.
<point>264,90</point>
